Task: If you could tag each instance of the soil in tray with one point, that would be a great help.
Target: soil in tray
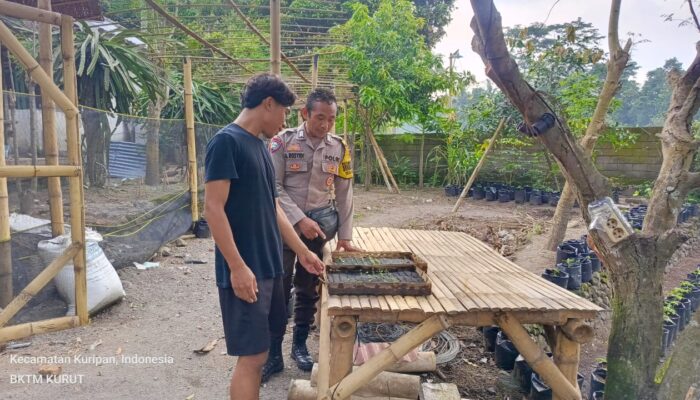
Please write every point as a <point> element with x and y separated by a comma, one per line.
<point>372,261</point>
<point>375,276</point>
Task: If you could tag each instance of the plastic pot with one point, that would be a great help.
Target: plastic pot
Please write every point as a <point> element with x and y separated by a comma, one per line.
<point>538,389</point>
<point>554,200</point>
<point>490,333</point>
<point>201,229</point>
<point>506,353</point>
<point>586,269</point>
<point>574,271</point>
<point>688,311</point>
<point>579,245</point>
<point>491,194</point>
<point>664,340</point>
<point>522,374</point>
<point>520,196</point>
<point>672,329</point>
<point>503,196</point>
<point>511,193</point>
<point>535,199</point>
<point>599,395</point>
<point>561,280</point>
<point>598,377</point>
<point>565,251</point>
<point>479,193</point>
<point>595,262</point>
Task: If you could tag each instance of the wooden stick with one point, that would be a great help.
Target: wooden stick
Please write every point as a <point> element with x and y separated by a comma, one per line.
<point>34,70</point>
<point>383,165</point>
<point>28,171</point>
<point>6,290</point>
<point>191,146</point>
<point>20,331</point>
<point>387,357</point>
<point>567,354</point>
<point>578,331</point>
<point>389,384</point>
<point>475,173</point>
<point>287,60</point>
<point>21,11</point>
<point>324,346</point>
<point>536,358</point>
<point>48,120</point>
<point>77,206</point>
<point>343,330</point>
<point>300,389</point>
<point>421,161</point>
<point>314,72</point>
<point>160,10</point>
<point>38,283</point>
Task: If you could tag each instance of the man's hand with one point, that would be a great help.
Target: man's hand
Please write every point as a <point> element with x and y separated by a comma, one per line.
<point>310,229</point>
<point>245,287</point>
<point>311,262</point>
<point>346,245</point>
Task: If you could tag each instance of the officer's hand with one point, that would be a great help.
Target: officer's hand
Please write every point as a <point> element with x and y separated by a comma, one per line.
<point>310,229</point>
<point>346,245</point>
<point>311,262</point>
<point>245,287</point>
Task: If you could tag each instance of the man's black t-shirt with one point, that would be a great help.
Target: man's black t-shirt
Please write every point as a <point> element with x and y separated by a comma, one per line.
<point>242,158</point>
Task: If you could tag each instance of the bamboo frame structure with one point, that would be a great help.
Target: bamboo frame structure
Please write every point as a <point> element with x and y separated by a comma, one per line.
<point>21,11</point>
<point>68,103</point>
<point>48,120</point>
<point>191,146</point>
<point>275,39</point>
<point>324,345</point>
<point>5,243</point>
<point>343,331</point>
<point>314,72</point>
<point>475,173</point>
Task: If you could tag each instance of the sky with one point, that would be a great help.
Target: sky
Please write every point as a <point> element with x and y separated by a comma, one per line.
<point>663,40</point>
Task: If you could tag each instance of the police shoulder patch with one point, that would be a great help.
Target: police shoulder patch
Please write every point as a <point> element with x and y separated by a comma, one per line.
<point>275,144</point>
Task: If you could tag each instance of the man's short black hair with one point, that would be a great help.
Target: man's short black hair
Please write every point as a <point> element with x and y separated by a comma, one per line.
<point>320,94</point>
<point>262,86</point>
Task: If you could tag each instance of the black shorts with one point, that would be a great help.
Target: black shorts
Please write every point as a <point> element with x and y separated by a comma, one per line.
<point>248,327</point>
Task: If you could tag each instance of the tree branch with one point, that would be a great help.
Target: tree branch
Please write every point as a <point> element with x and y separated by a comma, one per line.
<point>490,44</point>
<point>692,12</point>
<point>613,37</point>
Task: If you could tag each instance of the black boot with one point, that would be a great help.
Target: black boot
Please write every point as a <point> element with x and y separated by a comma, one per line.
<point>274,363</point>
<point>300,353</point>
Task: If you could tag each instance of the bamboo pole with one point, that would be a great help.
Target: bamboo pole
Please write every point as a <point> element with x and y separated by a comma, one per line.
<point>32,328</point>
<point>21,11</point>
<point>421,161</point>
<point>577,330</point>
<point>383,164</point>
<point>314,72</point>
<point>345,125</point>
<point>251,26</point>
<point>48,119</point>
<point>191,146</point>
<point>6,290</point>
<point>301,389</point>
<point>475,173</point>
<point>343,330</point>
<point>12,107</point>
<point>324,346</point>
<point>567,354</point>
<point>387,357</point>
<point>536,358</point>
<point>42,171</point>
<point>275,37</point>
<point>390,384</point>
<point>37,284</point>
<point>77,206</point>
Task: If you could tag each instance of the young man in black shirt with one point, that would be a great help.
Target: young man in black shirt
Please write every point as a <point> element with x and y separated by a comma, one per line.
<point>248,226</point>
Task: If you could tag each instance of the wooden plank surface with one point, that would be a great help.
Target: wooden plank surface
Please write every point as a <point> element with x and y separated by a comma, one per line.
<point>467,276</point>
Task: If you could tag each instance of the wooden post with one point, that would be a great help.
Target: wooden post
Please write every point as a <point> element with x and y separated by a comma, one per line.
<point>387,357</point>
<point>463,195</point>
<point>6,291</point>
<point>421,161</point>
<point>567,354</point>
<point>343,330</point>
<point>38,283</point>
<point>275,39</point>
<point>324,346</point>
<point>314,72</point>
<point>191,146</point>
<point>77,208</point>
<point>537,359</point>
<point>48,118</point>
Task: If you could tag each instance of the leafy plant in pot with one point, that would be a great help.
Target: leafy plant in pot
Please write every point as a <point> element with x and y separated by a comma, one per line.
<point>692,292</point>
<point>556,276</point>
<point>694,276</point>
<point>586,267</point>
<point>670,322</point>
<point>685,308</point>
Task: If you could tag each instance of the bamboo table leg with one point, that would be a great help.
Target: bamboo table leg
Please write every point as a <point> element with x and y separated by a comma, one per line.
<point>324,346</point>
<point>566,357</point>
<point>537,359</point>
<point>343,331</point>
<point>345,388</point>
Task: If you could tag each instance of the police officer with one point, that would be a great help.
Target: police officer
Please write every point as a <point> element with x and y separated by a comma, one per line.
<point>314,176</point>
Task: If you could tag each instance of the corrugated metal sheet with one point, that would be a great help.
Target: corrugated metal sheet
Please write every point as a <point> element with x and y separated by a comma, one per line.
<point>78,9</point>
<point>127,160</point>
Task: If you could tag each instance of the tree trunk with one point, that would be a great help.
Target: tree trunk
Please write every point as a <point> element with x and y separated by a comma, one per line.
<point>95,164</point>
<point>560,221</point>
<point>153,140</point>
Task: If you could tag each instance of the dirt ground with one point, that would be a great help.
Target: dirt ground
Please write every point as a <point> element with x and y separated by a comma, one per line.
<point>143,347</point>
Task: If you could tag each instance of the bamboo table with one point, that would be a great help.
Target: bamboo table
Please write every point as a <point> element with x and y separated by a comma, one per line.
<point>472,285</point>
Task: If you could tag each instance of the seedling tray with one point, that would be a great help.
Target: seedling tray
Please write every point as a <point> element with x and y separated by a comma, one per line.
<point>378,273</point>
